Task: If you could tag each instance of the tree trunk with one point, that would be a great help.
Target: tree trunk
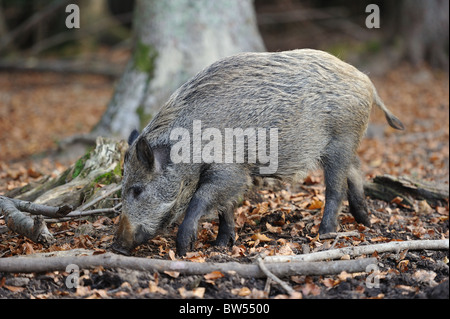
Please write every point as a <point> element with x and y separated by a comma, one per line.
<point>425,30</point>
<point>175,40</point>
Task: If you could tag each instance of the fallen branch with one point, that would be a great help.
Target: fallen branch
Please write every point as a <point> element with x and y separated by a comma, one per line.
<point>110,260</point>
<point>35,229</point>
<point>38,209</point>
<point>362,250</point>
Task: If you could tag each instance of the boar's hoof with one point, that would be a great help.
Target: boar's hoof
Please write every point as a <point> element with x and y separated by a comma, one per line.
<point>184,247</point>
<point>326,228</point>
<point>186,238</point>
<point>223,240</point>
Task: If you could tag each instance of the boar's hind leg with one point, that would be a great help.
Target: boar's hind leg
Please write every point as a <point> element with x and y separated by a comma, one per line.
<point>336,164</point>
<point>356,198</point>
<point>226,235</point>
<point>216,190</point>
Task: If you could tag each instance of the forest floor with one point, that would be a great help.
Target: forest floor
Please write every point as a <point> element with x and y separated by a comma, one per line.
<point>39,109</point>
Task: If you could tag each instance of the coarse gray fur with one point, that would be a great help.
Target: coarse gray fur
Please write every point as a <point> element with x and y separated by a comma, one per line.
<point>320,106</point>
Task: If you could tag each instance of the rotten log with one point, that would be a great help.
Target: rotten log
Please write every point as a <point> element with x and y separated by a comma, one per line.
<point>387,187</point>
<point>110,260</point>
<point>79,182</point>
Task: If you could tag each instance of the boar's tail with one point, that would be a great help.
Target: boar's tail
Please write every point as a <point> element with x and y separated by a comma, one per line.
<point>391,118</point>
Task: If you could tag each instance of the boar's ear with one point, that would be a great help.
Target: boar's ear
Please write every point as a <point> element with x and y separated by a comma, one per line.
<point>144,153</point>
<point>133,136</point>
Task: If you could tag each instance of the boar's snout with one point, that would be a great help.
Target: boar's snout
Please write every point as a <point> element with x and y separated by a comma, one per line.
<point>128,236</point>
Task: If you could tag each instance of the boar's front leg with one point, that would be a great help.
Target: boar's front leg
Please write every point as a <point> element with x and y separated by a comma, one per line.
<point>217,187</point>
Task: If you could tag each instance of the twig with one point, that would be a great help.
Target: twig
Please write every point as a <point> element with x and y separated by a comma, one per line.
<point>78,214</point>
<point>363,250</point>
<point>96,200</point>
<point>338,235</point>
<point>267,272</point>
<point>110,260</point>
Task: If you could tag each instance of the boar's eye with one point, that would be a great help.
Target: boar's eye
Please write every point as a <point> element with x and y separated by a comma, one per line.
<point>136,191</point>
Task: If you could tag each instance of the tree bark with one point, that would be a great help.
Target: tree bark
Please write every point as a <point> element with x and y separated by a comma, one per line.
<point>175,40</point>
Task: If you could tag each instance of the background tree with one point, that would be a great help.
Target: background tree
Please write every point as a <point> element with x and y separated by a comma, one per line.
<point>424,26</point>
<point>173,41</point>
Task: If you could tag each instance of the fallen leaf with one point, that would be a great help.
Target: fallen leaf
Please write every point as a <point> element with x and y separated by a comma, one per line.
<point>315,204</point>
<point>172,255</point>
<point>14,288</point>
<point>442,210</point>
<point>273,229</point>
<point>397,200</point>
<point>261,237</point>
<point>82,291</point>
<point>242,292</point>
<point>238,251</point>
<point>424,208</point>
<point>195,256</point>
<point>33,173</point>
<point>173,274</point>
<point>121,294</point>
<point>285,250</point>
<point>213,275</point>
<point>426,277</point>
<point>154,288</point>
<point>344,275</point>
<point>194,293</point>
<point>310,289</point>
<point>403,265</point>
<point>330,282</point>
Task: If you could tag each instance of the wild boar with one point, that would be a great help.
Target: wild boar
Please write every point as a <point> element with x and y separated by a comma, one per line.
<point>277,115</point>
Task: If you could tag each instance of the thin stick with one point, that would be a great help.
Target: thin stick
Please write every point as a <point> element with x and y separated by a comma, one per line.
<point>78,213</point>
<point>283,284</point>
<point>338,235</point>
<point>96,200</point>
<point>363,250</point>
